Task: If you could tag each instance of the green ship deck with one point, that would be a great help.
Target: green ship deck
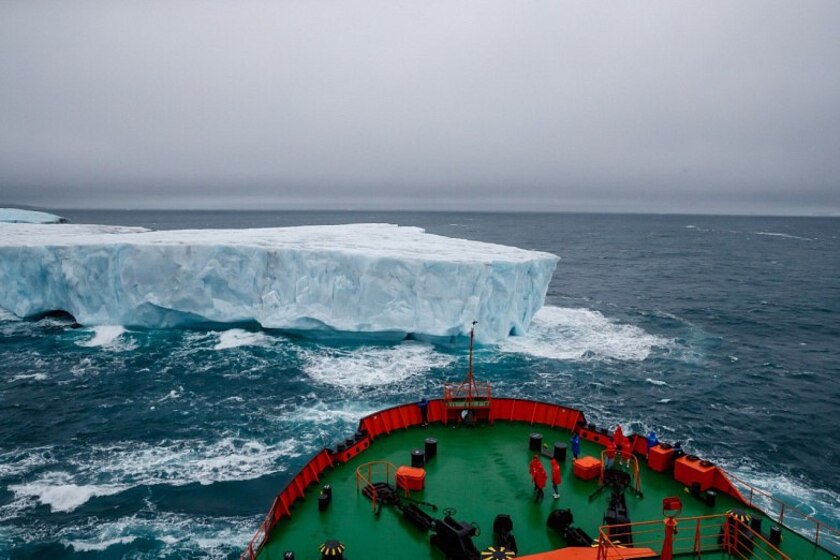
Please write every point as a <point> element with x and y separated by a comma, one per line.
<point>482,471</point>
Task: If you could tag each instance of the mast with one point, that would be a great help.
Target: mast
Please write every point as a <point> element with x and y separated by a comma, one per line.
<point>470,381</point>
<point>468,397</point>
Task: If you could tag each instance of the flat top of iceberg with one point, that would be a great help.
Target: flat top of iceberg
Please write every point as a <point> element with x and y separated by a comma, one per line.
<point>16,215</point>
<point>376,240</point>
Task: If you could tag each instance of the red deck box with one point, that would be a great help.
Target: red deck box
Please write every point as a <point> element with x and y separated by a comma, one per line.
<point>587,468</point>
<point>661,457</point>
<point>411,478</point>
<point>690,469</point>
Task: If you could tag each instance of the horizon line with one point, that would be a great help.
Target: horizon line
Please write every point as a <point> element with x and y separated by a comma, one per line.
<point>430,211</point>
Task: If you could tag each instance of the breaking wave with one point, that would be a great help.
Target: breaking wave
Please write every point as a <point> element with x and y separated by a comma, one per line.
<point>562,333</point>
<point>236,338</point>
<point>373,365</point>
<point>108,337</point>
<point>59,492</point>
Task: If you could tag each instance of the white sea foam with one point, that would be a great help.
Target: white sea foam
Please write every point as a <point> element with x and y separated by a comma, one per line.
<point>98,546</point>
<point>26,376</point>
<point>235,338</point>
<point>562,333</point>
<point>18,507</point>
<point>105,470</point>
<point>658,382</point>
<point>56,490</point>
<point>108,337</point>
<point>373,365</point>
<point>18,462</point>
<point>173,394</point>
<point>320,414</point>
<point>785,235</point>
<point>186,461</point>
<point>179,535</point>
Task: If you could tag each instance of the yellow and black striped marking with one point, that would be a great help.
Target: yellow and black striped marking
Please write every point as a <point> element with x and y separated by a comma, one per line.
<point>332,548</point>
<point>739,516</point>
<point>500,553</point>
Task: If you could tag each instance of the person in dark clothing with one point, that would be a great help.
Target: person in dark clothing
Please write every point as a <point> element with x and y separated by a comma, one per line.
<point>611,452</point>
<point>575,445</point>
<point>424,413</point>
<point>651,441</point>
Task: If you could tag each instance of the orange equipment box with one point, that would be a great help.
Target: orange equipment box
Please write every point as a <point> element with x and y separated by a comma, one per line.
<point>690,469</point>
<point>587,468</point>
<point>661,457</point>
<point>411,478</point>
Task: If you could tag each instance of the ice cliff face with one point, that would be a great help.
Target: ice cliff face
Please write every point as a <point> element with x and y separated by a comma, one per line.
<point>361,278</point>
<point>16,215</point>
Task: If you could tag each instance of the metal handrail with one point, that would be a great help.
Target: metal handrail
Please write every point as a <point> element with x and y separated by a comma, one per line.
<point>637,480</point>
<point>785,508</point>
<point>368,480</point>
<point>460,391</point>
<point>706,536</point>
<point>261,534</point>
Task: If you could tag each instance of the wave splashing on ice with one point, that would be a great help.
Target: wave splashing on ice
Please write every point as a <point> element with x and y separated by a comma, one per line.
<point>109,337</point>
<point>236,338</point>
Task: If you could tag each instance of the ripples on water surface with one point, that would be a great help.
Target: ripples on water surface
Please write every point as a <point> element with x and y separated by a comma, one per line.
<point>720,332</point>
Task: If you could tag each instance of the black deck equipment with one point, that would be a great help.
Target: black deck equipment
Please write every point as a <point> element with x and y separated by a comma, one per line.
<point>454,539</point>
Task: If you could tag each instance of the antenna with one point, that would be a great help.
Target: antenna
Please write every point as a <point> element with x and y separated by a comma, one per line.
<point>470,381</point>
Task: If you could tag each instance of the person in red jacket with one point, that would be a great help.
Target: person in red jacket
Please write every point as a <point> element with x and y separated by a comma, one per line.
<point>535,465</point>
<point>618,437</point>
<point>555,477</point>
<point>539,476</point>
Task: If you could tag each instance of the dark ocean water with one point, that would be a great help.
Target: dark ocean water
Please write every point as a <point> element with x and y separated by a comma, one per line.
<point>720,332</point>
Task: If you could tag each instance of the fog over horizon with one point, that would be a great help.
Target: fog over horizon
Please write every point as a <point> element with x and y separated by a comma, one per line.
<point>660,107</point>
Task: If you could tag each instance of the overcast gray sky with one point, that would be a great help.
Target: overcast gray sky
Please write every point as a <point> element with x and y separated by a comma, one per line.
<point>658,106</point>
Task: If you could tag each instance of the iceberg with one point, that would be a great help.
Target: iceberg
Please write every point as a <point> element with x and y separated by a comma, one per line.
<point>362,279</point>
<point>18,216</point>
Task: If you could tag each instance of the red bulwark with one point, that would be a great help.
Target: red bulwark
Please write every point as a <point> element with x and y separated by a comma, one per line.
<point>661,458</point>
<point>411,478</point>
<point>690,469</point>
<point>592,553</point>
<point>587,468</point>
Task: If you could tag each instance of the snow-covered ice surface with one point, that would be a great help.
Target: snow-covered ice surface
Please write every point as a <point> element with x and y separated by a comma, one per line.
<point>16,215</point>
<point>378,279</point>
